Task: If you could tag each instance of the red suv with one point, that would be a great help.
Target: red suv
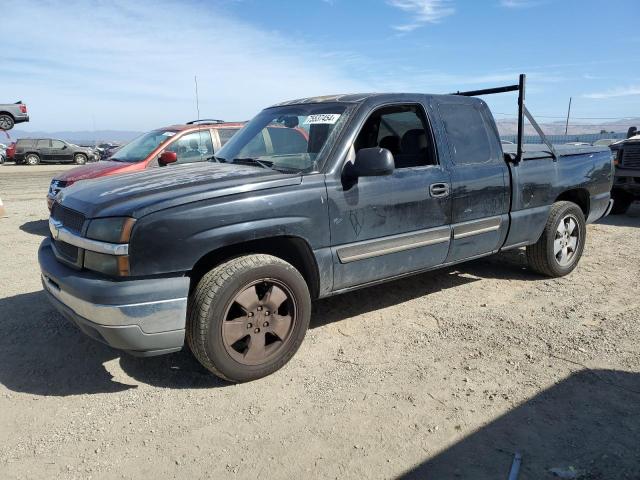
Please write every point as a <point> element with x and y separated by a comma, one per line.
<point>192,142</point>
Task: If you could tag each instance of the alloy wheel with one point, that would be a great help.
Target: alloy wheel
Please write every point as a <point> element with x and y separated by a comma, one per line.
<point>567,240</point>
<point>259,321</point>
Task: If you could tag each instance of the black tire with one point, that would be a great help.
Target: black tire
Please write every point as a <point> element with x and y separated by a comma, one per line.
<point>541,256</point>
<point>621,202</point>
<point>32,159</point>
<point>6,122</point>
<point>214,295</point>
<point>80,159</point>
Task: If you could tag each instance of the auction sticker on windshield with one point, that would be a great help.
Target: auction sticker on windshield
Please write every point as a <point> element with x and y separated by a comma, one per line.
<point>322,118</point>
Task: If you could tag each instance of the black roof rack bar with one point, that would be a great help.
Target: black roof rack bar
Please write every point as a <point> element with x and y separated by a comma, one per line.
<point>205,120</point>
<point>489,91</point>
<point>522,113</point>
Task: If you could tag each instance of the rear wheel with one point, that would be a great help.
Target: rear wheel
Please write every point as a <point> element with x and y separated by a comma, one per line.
<point>248,316</point>
<point>80,159</point>
<point>6,122</point>
<point>560,247</point>
<point>32,159</point>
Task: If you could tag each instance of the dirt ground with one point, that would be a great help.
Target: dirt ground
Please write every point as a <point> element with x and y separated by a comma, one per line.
<point>438,376</point>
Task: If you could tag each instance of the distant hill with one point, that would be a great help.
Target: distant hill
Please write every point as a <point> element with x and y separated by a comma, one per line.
<point>88,137</point>
<point>510,127</point>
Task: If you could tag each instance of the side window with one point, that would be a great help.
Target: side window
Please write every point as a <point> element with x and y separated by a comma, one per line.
<point>43,144</point>
<point>288,141</point>
<point>467,133</point>
<point>225,134</point>
<point>193,147</point>
<point>401,129</point>
<point>57,144</point>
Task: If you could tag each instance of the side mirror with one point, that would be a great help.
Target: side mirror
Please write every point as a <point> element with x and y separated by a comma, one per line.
<point>167,157</point>
<point>372,162</point>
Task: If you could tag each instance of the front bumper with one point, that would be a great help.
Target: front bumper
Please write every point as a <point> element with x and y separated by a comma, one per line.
<point>142,317</point>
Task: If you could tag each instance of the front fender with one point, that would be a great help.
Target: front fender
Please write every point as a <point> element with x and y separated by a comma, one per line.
<point>173,240</point>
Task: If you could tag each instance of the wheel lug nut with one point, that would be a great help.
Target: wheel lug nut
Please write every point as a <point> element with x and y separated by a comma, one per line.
<point>259,309</point>
<point>265,324</point>
<point>250,314</point>
<point>267,313</point>
<point>257,330</point>
<point>249,325</point>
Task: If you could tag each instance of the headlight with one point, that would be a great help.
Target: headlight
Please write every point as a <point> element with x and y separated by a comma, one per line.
<point>111,230</point>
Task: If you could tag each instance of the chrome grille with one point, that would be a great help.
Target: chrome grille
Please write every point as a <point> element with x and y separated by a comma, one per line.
<point>631,155</point>
<point>70,219</point>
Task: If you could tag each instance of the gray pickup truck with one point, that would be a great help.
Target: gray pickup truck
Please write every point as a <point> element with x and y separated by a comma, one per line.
<point>12,113</point>
<point>230,253</point>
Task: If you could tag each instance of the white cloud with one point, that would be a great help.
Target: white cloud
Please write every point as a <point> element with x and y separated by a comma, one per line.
<point>521,3</point>
<point>130,65</point>
<point>422,11</point>
<point>615,92</point>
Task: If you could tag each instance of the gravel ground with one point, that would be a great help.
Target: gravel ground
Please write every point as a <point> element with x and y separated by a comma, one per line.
<point>443,375</point>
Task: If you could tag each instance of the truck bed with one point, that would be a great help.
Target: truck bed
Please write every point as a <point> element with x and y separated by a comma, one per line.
<point>535,150</point>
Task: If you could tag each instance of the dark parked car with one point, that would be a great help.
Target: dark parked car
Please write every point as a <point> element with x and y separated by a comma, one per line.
<point>33,151</point>
<point>626,187</point>
<point>12,113</point>
<point>230,253</point>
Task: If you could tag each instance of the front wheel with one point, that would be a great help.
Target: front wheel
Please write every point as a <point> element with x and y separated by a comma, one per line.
<point>80,159</point>
<point>560,247</point>
<point>248,316</point>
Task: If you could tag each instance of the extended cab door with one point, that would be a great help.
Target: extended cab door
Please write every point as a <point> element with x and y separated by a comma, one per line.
<point>480,188</point>
<point>390,225</point>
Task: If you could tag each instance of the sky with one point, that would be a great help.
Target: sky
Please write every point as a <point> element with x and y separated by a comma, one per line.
<point>123,65</point>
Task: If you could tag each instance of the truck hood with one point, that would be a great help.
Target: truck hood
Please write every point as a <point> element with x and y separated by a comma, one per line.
<point>138,194</point>
<point>91,170</point>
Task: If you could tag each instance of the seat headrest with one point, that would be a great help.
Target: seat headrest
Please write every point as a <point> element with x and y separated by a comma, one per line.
<point>414,141</point>
<point>391,143</point>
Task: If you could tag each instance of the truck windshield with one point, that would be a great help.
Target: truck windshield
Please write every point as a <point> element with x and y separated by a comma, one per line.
<point>293,138</point>
<point>140,148</point>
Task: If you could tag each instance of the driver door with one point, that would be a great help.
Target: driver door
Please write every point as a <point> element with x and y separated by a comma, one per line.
<point>391,225</point>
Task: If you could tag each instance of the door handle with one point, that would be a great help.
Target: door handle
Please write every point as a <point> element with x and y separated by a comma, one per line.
<point>439,190</point>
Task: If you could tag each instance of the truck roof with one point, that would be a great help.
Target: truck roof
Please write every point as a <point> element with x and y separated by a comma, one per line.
<point>348,98</point>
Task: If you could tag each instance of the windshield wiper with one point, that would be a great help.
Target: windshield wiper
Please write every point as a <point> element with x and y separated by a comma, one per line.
<point>253,161</point>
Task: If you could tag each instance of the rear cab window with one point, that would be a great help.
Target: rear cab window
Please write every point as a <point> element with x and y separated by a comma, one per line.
<point>470,136</point>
